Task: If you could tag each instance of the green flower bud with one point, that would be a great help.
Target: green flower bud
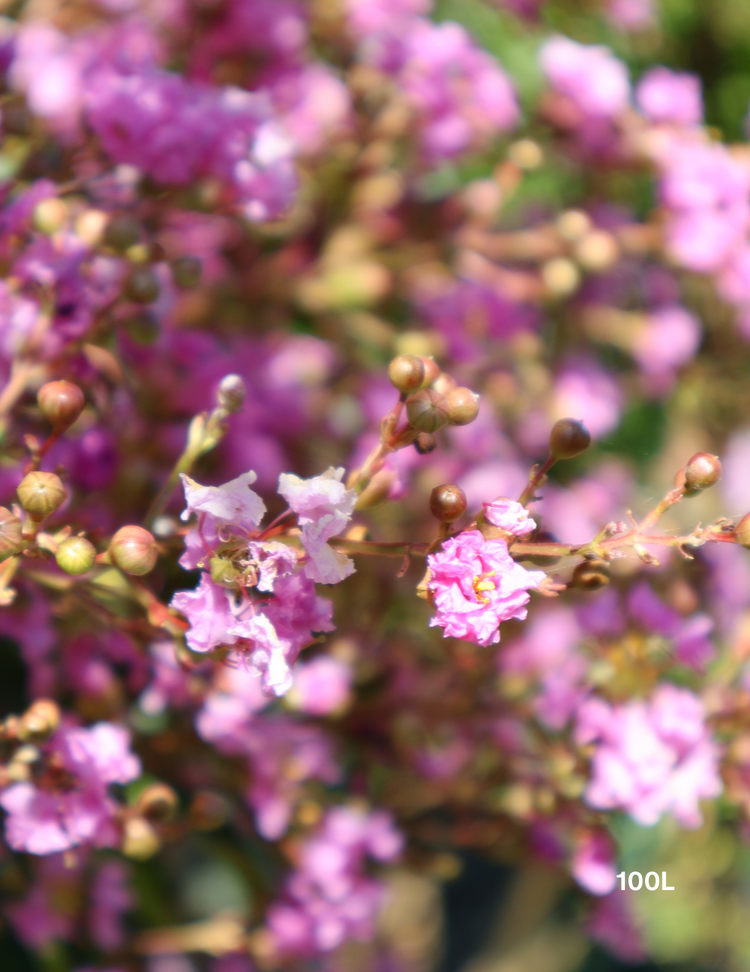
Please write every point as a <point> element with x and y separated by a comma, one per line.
<point>569,438</point>
<point>133,550</point>
<point>702,471</point>
<point>447,502</point>
<point>122,232</point>
<point>406,373</point>
<point>75,555</point>
<point>427,411</point>
<point>142,286</point>
<point>463,406</point>
<point>41,493</point>
<point>61,402</point>
<point>11,541</point>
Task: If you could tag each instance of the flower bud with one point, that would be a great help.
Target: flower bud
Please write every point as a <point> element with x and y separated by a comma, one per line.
<point>231,392</point>
<point>122,232</point>
<point>61,402</point>
<point>157,803</point>
<point>140,840</point>
<point>425,443</point>
<point>133,550</point>
<point>427,411</point>
<point>40,494</point>
<point>142,286</point>
<point>75,555</point>
<point>406,373</point>
<point>463,406</point>
<point>39,721</point>
<point>142,327</point>
<point>742,531</point>
<point>50,215</point>
<point>591,575</point>
<point>11,540</point>
<point>702,471</point>
<point>447,503</point>
<point>431,370</point>
<point>568,438</point>
<point>186,271</point>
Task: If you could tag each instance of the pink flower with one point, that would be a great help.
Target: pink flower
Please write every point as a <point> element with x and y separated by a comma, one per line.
<point>509,516</point>
<point>651,758</point>
<point>324,507</point>
<point>593,864</point>
<point>321,686</point>
<point>666,96</point>
<point>614,925</point>
<point>233,503</point>
<point>475,585</point>
<point>208,609</point>
<point>274,559</point>
<point>591,76</point>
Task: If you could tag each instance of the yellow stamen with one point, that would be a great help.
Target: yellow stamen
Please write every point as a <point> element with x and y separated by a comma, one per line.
<point>482,583</point>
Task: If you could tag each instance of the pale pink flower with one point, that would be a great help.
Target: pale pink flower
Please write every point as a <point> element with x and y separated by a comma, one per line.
<point>475,584</point>
<point>208,608</point>
<point>591,76</point>
<point>668,96</point>
<point>321,686</point>
<point>274,559</point>
<point>593,864</point>
<point>509,516</point>
<point>233,503</point>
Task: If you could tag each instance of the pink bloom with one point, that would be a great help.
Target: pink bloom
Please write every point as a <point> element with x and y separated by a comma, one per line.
<point>666,96</point>
<point>111,899</point>
<point>324,507</point>
<point>208,608</point>
<point>613,924</point>
<point>475,585</point>
<point>509,516</point>
<point>233,503</point>
<point>591,76</point>
<point>274,559</point>
<point>651,758</point>
<point>668,340</point>
<point>321,686</point>
<point>631,15</point>
<point>593,864</point>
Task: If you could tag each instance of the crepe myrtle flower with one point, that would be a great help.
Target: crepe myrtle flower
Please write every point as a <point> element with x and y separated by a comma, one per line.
<point>509,516</point>
<point>475,585</point>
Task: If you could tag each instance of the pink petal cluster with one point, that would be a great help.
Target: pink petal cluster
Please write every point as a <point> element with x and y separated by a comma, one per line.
<point>510,516</point>
<point>233,503</point>
<point>43,819</point>
<point>670,97</point>
<point>330,898</point>
<point>591,76</point>
<point>652,757</point>
<point>475,585</point>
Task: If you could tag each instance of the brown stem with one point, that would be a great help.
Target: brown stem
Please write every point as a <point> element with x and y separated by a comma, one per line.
<point>535,479</point>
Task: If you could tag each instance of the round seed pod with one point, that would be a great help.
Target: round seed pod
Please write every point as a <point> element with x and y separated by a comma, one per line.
<point>742,531</point>
<point>406,373</point>
<point>39,721</point>
<point>703,470</point>
<point>122,232</point>
<point>133,550</point>
<point>142,286</point>
<point>591,575</point>
<point>568,438</point>
<point>425,443</point>
<point>75,555</point>
<point>11,540</point>
<point>60,402</point>
<point>40,494</point>
<point>463,406</point>
<point>447,502</point>
<point>186,271</point>
<point>427,411</point>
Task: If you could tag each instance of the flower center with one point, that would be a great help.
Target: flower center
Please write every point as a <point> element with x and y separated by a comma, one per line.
<point>483,583</point>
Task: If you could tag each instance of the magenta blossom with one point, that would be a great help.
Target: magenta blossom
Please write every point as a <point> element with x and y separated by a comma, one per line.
<point>234,502</point>
<point>475,584</point>
<point>509,516</point>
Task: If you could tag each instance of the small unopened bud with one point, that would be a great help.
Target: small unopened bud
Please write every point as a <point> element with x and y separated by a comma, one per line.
<point>140,840</point>
<point>742,531</point>
<point>133,550</point>
<point>75,555</point>
<point>186,271</point>
<point>447,502</point>
<point>122,232</point>
<point>431,370</point>
<point>11,540</point>
<point>591,575</point>
<point>49,216</point>
<point>702,471</point>
<point>231,393</point>
<point>157,803</point>
<point>406,373</point>
<point>568,438</point>
<point>142,286</point>
<point>560,276</point>
<point>425,443</point>
<point>40,494</point>
<point>427,411</point>
<point>463,406</point>
<point>61,402</point>
<point>39,721</point>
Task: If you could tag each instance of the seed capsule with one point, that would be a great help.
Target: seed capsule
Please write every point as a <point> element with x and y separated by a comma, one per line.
<point>569,438</point>
<point>142,286</point>
<point>75,555</point>
<point>61,402</point>
<point>463,406</point>
<point>591,575</point>
<point>11,541</point>
<point>447,502</point>
<point>702,471</point>
<point>427,411</point>
<point>41,493</point>
<point>406,373</point>
<point>133,550</point>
